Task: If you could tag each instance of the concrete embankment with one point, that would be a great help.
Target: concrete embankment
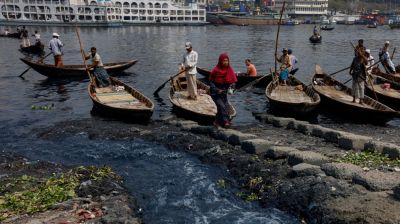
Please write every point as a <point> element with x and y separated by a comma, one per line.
<point>292,165</point>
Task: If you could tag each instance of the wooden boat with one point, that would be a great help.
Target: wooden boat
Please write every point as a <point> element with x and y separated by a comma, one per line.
<point>339,99</point>
<point>394,25</point>
<point>242,78</point>
<point>35,49</point>
<point>327,27</point>
<point>372,25</point>
<point>268,19</point>
<point>315,39</point>
<point>121,101</point>
<point>203,109</point>
<point>392,77</point>
<point>295,97</point>
<point>11,35</point>
<point>389,97</point>
<point>69,71</point>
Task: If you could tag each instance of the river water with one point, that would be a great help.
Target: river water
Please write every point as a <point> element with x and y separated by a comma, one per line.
<point>151,171</point>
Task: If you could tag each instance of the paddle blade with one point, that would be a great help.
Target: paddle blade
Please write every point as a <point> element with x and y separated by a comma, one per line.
<point>24,72</point>
<point>159,88</point>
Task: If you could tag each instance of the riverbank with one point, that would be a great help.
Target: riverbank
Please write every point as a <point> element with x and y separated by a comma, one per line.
<point>43,192</point>
<point>316,173</point>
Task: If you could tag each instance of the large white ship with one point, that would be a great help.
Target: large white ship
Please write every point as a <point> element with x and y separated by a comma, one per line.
<point>99,13</point>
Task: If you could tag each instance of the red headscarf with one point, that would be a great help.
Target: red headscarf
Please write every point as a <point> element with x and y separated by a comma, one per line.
<point>221,74</point>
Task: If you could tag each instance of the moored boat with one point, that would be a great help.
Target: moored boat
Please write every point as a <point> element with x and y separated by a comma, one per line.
<point>242,78</point>
<point>11,35</point>
<point>338,98</point>
<point>267,19</point>
<point>70,71</point>
<point>121,101</point>
<point>372,25</point>
<point>315,39</point>
<point>203,109</point>
<point>386,91</point>
<point>327,27</point>
<point>34,49</point>
<point>295,97</point>
<point>392,77</point>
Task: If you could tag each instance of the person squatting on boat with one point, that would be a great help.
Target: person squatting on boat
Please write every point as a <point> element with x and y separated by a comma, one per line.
<point>24,38</point>
<point>293,61</point>
<point>102,77</point>
<point>386,61</point>
<point>315,31</point>
<point>55,45</point>
<point>251,69</point>
<point>285,65</point>
<point>221,78</point>
<point>358,73</point>
<point>189,63</point>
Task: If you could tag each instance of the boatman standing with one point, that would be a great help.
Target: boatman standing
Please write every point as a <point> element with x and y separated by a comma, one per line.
<point>24,38</point>
<point>358,73</point>
<point>360,47</point>
<point>293,61</point>
<point>102,77</point>
<point>285,65</point>
<point>189,63</point>
<point>55,46</point>
<point>371,61</point>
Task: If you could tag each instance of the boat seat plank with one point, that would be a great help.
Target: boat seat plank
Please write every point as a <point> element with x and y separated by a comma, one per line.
<point>339,95</point>
<point>290,94</point>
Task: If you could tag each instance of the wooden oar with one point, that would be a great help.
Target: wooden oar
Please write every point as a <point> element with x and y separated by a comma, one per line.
<point>162,85</point>
<point>277,35</point>
<point>391,57</point>
<point>31,67</point>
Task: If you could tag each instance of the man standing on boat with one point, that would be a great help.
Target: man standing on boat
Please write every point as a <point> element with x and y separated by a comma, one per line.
<point>371,61</point>
<point>24,38</point>
<point>251,69</point>
<point>55,46</point>
<point>102,77</point>
<point>189,63</point>
<point>360,47</point>
<point>384,56</point>
<point>358,73</point>
<point>285,65</point>
<point>293,61</point>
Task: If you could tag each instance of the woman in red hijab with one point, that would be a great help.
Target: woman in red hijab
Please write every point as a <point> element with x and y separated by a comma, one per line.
<point>221,78</point>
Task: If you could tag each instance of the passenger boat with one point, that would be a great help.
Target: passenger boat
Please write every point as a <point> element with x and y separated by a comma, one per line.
<point>372,25</point>
<point>242,78</point>
<point>34,49</point>
<point>105,13</point>
<point>295,97</point>
<point>11,35</point>
<point>69,71</point>
<point>121,101</point>
<point>202,110</point>
<point>315,39</point>
<point>327,27</point>
<point>386,91</point>
<point>392,77</point>
<point>338,98</point>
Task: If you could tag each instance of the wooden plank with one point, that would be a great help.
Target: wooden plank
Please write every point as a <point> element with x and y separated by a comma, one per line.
<point>389,92</point>
<point>330,91</point>
<point>290,94</point>
<point>204,103</point>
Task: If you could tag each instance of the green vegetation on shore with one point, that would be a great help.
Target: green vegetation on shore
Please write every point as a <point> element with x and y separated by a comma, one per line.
<point>369,158</point>
<point>28,194</point>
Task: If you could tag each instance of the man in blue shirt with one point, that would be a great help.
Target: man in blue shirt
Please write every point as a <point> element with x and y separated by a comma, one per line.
<point>55,46</point>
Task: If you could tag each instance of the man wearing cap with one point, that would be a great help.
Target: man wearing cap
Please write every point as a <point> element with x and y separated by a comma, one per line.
<point>55,45</point>
<point>293,61</point>
<point>371,61</point>
<point>189,63</point>
<point>285,65</point>
<point>385,59</point>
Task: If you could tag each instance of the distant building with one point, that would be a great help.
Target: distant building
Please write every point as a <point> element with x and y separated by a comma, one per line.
<point>301,8</point>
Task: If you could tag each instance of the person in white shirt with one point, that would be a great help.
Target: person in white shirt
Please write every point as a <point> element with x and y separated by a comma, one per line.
<point>55,45</point>
<point>189,64</point>
<point>37,37</point>
<point>6,32</point>
<point>102,77</point>
<point>371,61</point>
<point>386,61</point>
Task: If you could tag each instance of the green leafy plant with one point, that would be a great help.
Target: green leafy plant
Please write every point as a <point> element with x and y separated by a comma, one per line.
<point>221,183</point>
<point>368,158</point>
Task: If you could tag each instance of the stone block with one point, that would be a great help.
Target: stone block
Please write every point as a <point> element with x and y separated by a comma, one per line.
<point>279,152</point>
<point>351,141</point>
<point>333,136</point>
<point>303,127</point>
<point>181,123</point>
<point>305,169</point>
<point>205,130</point>
<point>297,157</point>
<point>233,137</point>
<point>341,170</point>
<point>256,146</point>
<point>396,192</point>
<point>263,117</point>
<point>392,150</point>
<point>319,131</point>
<point>281,121</point>
<point>377,181</point>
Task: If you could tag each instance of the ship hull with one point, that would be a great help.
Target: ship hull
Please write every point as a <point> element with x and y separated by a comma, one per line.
<point>249,20</point>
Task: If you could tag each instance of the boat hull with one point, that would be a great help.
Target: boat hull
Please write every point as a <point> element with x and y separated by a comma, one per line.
<point>392,102</point>
<point>249,20</point>
<point>74,71</point>
<point>34,49</point>
<point>314,39</point>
